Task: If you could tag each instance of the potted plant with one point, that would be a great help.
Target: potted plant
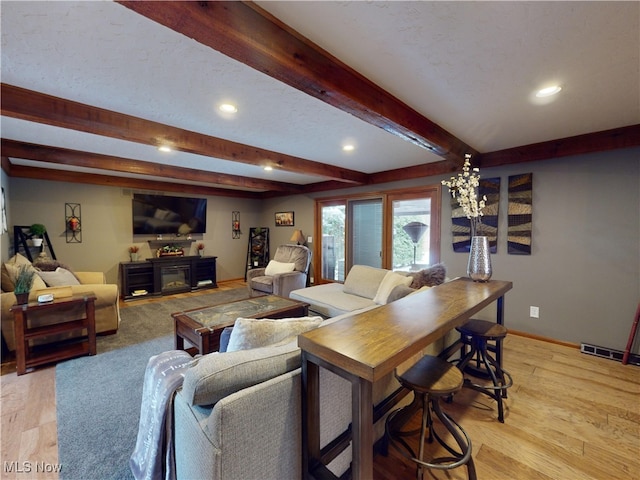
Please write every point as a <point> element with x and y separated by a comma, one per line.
<point>133,253</point>
<point>24,281</point>
<point>37,231</point>
<point>200,247</point>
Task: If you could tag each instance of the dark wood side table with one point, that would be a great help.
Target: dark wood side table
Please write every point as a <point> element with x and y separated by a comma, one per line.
<point>28,356</point>
<point>203,326</point>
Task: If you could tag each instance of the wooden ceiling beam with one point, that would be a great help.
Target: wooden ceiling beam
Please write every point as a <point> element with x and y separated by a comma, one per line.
<point>76,158</point>
<point>21,171</point>
<point>624,137</point>
<point>34,106</point>
<point>247,33</point>
<point>417,171</point>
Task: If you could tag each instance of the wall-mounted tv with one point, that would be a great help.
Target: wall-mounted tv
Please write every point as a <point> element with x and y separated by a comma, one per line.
<point>156,214</point>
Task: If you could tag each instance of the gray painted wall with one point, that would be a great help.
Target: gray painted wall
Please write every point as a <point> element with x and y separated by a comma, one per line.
<point>583,274</point>
<point>584,271</point>
<point>106,225</point>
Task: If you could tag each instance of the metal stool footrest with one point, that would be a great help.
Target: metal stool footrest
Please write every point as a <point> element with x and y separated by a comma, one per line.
<point>457,458</point>
<point>480,364</point>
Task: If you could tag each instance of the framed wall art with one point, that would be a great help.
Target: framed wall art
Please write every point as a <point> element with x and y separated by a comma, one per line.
<point>520,214</point>
<point>285,219</point>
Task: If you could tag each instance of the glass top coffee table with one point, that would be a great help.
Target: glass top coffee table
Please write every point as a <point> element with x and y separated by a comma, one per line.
<point>203,326</point>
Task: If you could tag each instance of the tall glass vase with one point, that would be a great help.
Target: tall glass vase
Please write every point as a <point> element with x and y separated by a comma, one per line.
<point>479,266</point>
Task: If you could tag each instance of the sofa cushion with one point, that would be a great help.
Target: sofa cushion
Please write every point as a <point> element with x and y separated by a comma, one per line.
<point>364,281</point>
<point>217,375</point>
<point>274,267</point>
<point>262,284</point>
<point>389,282</point>
<point>59,278</point>
<point>400,291</point>
<point>255,333</point>
<point>329,299</point>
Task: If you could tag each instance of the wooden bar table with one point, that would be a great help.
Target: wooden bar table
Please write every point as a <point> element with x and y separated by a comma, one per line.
<point>365,347</point>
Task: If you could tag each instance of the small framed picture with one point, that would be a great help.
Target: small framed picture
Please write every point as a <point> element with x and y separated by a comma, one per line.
<point>284,219</point>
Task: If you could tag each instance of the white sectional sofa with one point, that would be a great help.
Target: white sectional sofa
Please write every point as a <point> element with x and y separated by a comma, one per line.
<point>366,287</point>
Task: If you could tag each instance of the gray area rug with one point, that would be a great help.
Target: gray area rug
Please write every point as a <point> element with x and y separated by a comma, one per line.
<point>98,398</point>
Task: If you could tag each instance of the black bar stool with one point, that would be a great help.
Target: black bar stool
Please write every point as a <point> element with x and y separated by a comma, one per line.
<point>480,364</point>
<point>430,379</point>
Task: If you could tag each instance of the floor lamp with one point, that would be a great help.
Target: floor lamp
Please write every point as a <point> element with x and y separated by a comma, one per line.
<point>415,230</point>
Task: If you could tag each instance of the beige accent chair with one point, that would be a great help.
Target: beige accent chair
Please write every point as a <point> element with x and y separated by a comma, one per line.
<point>286,272</point>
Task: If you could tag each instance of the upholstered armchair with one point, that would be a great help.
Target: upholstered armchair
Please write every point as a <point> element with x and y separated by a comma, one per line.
<point>286,272</point>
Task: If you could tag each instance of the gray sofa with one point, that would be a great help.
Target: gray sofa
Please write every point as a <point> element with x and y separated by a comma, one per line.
<point>238,414</point>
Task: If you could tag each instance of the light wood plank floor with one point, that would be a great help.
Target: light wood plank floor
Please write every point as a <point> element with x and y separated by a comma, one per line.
<point>569,416</point>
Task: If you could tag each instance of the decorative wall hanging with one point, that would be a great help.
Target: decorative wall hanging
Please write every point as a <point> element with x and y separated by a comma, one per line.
<point>489,187</point>
<point>73,224</point>
<point>284,219</point>
<point>520,214</point>
<point>235,224</point>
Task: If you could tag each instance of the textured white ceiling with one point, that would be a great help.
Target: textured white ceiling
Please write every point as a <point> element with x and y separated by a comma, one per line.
<point>471,66</point>
<point>468,66</point>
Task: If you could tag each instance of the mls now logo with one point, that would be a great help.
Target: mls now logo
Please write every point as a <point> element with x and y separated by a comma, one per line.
<point>31,467</point>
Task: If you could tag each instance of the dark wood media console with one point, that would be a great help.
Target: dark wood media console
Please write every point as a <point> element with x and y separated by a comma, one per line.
<point>166,275</point>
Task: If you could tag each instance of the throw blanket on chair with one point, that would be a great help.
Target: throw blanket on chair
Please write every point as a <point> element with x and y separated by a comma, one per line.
<point>153,457</point>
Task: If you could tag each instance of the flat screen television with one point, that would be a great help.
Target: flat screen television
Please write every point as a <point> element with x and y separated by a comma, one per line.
<point>156,214</point>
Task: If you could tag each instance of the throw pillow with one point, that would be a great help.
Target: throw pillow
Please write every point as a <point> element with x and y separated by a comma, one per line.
<point>274,268</point>
<point>430,277</point>
<point>390,281</point>
<point>363,281</point>
<point>8,284</point>
<point>61,277</point>
<point>18,259</point>
<point>49,265</point>
<point>5,280</point>
<point>254,333</point>
<point>12,272</point>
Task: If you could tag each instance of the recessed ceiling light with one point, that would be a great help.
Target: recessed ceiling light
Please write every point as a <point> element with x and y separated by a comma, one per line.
<point>228,108</point>
<point>548,91</point>
<point>268,168</point>
<point>164,148</point>
<point>348,148</point>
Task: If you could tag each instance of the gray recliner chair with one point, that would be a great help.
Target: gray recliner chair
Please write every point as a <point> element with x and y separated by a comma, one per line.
<point>281,282</point>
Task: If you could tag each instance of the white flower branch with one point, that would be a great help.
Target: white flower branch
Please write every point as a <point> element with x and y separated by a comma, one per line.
<point>464,188</point>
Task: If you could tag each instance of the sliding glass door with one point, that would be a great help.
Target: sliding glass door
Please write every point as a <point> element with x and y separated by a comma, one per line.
<point>397,230</point>
<point>411,240</point>
<point>333,227</point>
<point>365,239</point>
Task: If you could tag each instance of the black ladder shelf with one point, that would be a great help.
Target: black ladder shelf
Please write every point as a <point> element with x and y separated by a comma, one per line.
<point>258,249</point>
<point>21,234</point>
